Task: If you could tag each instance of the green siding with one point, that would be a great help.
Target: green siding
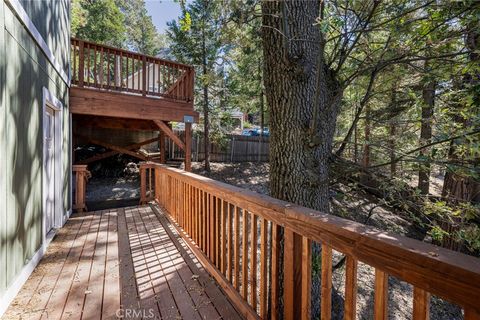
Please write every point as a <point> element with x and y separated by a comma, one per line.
<point>26,72</point>
<point>48,15</point>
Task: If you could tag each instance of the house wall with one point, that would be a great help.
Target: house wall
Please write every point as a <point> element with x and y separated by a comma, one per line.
<point>25,69</point>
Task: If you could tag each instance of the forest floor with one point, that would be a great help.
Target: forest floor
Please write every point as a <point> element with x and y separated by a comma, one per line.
<point>355,206</point>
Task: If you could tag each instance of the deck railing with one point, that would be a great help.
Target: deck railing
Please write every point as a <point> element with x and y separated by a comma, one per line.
<point>237,235</point>
<point>81,178</point>
<point>103,67</point>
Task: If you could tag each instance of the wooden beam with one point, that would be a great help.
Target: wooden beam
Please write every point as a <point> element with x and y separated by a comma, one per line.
<point>161,146</point>
<point>169,132</point>
<point>113,147</point>
<point>188,147</point>
<point>292,275</point>
<point>82,121</point>
<point>114,152</point>
<point>122,105</point>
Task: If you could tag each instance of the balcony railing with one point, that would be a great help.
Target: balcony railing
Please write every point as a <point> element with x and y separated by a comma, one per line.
<point>237,235</point>
<point>103,67</point>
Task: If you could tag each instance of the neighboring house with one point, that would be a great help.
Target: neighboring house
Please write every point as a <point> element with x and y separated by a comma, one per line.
<point>240,116</point>
<point>34,134</point>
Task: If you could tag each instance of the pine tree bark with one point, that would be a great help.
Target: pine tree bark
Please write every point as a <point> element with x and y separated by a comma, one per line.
<point>301,125</point>
<point>298,162</point>
<point>459,187</point>
<point>428,94</point>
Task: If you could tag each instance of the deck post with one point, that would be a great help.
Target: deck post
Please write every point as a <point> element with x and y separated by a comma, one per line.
<point>144,75</point>
<point>81,63</point>
<point>81,177</point>
<point>147,182</point>
<point>143,183</point>
<point>188,147</point>
<point>161,146</point>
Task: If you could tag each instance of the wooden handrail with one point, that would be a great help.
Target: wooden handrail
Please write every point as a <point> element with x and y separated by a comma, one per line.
<point>147,193</point>
<point>210,216</point>
<point>105,67</point>
<point>81,177</point>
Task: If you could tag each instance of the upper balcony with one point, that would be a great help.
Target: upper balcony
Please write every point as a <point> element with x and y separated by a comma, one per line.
<point>112,82</point>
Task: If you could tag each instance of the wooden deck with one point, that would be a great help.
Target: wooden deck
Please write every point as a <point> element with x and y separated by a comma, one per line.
<point>129,259</point>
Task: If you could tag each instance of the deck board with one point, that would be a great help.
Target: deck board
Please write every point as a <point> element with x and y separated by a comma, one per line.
<point>130,259</point>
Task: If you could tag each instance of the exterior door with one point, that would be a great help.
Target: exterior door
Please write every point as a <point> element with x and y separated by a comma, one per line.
<point>49,147</point>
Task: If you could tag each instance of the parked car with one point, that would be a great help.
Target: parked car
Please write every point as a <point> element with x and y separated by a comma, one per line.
<point>247,132</point>
<point>258,132</point>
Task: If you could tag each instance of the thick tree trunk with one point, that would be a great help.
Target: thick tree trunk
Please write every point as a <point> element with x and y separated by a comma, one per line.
<point>462,187</point>
<point>426,135</point>
<point>300,146</point>
<point>298,165</point>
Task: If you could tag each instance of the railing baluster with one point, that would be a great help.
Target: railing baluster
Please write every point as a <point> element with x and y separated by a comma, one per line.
<point>326,299</point>
<point>127,75</point>
<point>275,271</point>
<point>200,219</point>
<point>217,232</point>
<point>121,76</point>
<point>88,63</point>
<point>101,68</point>
<point>212,229</point>
<point>229,243</point>
<point>245,254</point>
<point>95,83</point>
<point>74,71</point>
<point>188,203</point>
<point>236,250</point>
<point>208,227</point>
<point>108,68</point>
<point>253,260</point>
<point>223,236</point>
<point>289,275</point>
<point>153,64</point>
<point>144,73</point>
<point>306,277</point>
<point>381,295</point>
<point>133,73</point>
<point>421,304</point>
<point>205,222</point>
<point>81,64</point>
<point>350,288</point>
<point>115,70</point>
<point>264,266</point>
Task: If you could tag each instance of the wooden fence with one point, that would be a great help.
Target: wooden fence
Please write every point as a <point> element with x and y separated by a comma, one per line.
<point>236,148</point>
<point>237,235</point>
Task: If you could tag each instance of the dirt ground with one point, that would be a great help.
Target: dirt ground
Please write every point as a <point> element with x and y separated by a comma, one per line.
<point>357,207</point>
